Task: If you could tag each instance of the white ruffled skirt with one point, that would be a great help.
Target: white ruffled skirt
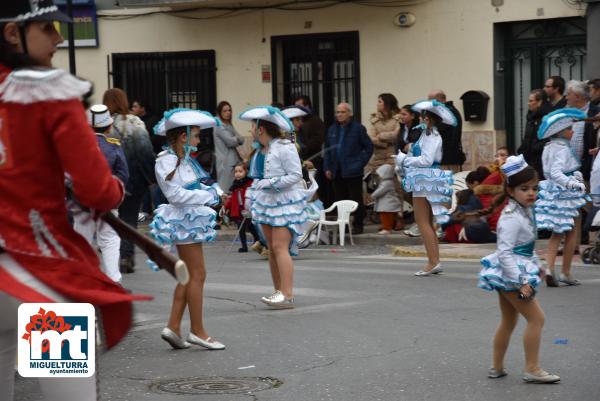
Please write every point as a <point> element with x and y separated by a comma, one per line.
<point>557,207</point>
<point>280,209</point>
<point>492,277</point>
<point>434,184</point>
<point>173,225</point>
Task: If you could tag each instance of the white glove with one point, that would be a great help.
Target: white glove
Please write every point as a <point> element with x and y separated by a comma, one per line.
<point>578,176</point>
<point>262,184</point>
<point>578,186</point>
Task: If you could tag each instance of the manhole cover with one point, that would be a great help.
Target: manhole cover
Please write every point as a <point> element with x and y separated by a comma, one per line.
<point>216,385</point>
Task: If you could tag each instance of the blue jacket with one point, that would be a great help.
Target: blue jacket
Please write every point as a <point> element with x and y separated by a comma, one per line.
<point>352,155</point>
<point>111,148</point>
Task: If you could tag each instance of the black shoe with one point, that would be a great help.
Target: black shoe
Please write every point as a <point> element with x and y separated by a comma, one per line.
<point>126,265</point>
<point>243,250</point>
<point>358,230</point>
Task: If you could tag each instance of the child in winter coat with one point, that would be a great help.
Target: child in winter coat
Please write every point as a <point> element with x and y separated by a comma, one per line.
<point>387,203</point>
<point>235,205</point>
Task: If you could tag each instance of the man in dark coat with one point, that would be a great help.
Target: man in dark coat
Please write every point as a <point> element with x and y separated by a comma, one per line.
<point>532,147</point>
<point>348,149</point>
<point>554,89</point>
<point>453,156</point>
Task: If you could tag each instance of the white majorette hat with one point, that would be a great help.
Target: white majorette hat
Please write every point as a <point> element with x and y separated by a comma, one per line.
<point>175,118</point>
<point>98,116</point>
<point>438,109</point>
<point>558,120</point>
<point>513,165</point>
<point>268,113</point>
<point>295,111</point>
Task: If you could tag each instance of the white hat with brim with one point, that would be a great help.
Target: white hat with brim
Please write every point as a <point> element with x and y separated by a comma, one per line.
<point>295,112</point>
<point>268,113</point>
<point>98,116</point>
<point>438,109</point>
<point>185,118</point>
<point>558,121</point>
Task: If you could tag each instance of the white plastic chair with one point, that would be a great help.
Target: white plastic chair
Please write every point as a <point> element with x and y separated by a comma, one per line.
<point>458,185</point>
<point>344,208</point>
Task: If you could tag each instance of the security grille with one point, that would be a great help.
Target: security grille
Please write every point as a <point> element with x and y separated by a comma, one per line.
<point>323,66</point>
<point>168,79</point>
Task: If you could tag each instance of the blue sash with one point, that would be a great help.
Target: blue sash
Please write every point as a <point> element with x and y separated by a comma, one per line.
<point>525,249</point>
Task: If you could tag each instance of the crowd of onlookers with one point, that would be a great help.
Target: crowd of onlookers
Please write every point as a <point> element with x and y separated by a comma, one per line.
<point>355,161</point>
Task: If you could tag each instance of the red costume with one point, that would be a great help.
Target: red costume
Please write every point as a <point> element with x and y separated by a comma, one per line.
<point>490,187</point>
<point>235,202</point>
<point>44,136</point>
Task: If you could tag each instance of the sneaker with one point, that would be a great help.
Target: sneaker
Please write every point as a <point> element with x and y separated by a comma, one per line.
<point>265,253</point>
<point>550,280</point>
<point>383,232</point>
<point>439,232</point>
<point>142,217</point>
<point>278,301</point>
<point>568,280</point>
<point>413,231</point>
<point>494,373</point>
<point>541,377</point>
<point>173,339</point>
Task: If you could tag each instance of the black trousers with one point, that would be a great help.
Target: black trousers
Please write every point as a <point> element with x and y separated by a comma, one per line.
<point>247,226</point>
<point>351,189</point>
<point>128,212</point>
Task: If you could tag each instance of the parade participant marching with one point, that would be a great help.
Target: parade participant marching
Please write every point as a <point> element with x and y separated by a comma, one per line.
<point>429,185</point>
<point>187,220</point>
<point>514,271</point>
<point>108,240</point>
<point>562,193</point>
<point>279,199</point>
<point>45,136</point>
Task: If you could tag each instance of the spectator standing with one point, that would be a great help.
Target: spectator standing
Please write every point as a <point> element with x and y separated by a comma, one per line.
<point>383,131</point>
<point>409,131</point>
<point>554,89</point>
<point>347,152</point>
<point>140,108</point>
<point>310,137</point>
<point>131,133</point>
<point>584,134</point>
<point>227,139</point>
<point>594,85</point>
<point>452,151</point>
<point>532,147</point>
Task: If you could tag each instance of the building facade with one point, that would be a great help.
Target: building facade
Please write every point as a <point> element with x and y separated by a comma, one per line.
<point>346,52</point>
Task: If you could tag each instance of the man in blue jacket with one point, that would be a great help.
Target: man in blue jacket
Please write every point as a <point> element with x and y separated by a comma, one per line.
<point>347,151</point>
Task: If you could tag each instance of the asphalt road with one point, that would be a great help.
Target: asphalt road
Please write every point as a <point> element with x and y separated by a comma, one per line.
<point>364,328</point>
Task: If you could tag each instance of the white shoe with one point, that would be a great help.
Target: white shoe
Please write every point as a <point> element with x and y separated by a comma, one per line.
<point>439,232</point>
<point>173,339</point>
<point>540,378</point>
<point>209,343</point>
<point>278,300</point>
<point>413,231</point>
<point>436,269</point>
<point>383,232</point>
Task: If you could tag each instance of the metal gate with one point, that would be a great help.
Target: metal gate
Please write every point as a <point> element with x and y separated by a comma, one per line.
<point>168,79</point>
<point>535,51</point>
<point>323,66</point>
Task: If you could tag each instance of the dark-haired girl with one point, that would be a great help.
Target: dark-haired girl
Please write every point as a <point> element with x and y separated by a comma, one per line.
<point>430,186</point>
<point>278,199</point>
<point>514,271</point>
<point>187,220</point>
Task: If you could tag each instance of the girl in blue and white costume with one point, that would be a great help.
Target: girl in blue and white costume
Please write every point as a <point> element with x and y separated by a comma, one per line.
<point>187,220</point>
<point>514,271</point>
<point>430,186</point>
<point>562,193</point>
<point>278,200</point>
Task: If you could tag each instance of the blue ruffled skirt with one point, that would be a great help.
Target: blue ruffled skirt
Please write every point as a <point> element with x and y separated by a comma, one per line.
<point>280,209</point>
<point>434,184</point>
<point>557,207</point>
<point>173,225</point>
<point>491,276</point>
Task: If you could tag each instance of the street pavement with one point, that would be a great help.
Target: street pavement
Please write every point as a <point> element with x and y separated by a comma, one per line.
<point>364,328</point>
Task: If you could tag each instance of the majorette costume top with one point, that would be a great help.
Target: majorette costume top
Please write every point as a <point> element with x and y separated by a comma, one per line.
<point>563,191</point>
<point>44,137</point>
<point>279,198</point>
<point>188,217</point>
<point>421,166</point>
<point>514,263</point>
